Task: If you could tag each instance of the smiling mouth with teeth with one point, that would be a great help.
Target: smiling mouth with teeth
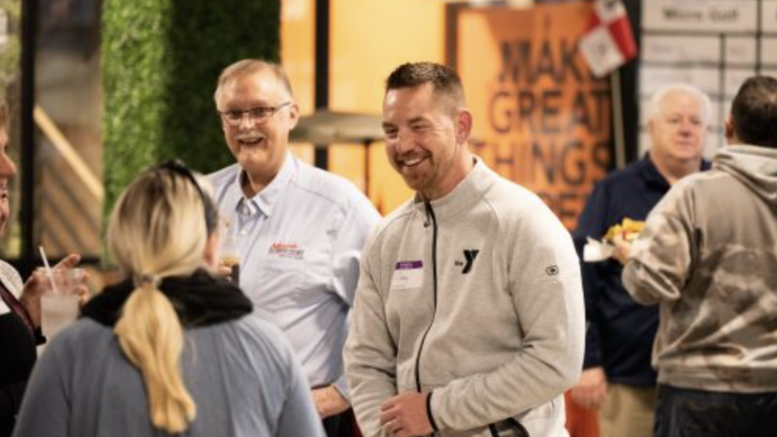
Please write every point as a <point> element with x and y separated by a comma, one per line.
<point>249,141</point>
<point>412,162</point>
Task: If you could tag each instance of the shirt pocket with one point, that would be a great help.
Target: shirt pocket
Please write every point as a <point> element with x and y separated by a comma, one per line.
<point>281,283</point>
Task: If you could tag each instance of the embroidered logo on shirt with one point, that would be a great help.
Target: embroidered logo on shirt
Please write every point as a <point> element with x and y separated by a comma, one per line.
<point>286,250</point>
<point>469,256</point>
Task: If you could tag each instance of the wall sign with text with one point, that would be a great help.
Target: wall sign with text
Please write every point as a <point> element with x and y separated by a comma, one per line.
<point>540,118</point>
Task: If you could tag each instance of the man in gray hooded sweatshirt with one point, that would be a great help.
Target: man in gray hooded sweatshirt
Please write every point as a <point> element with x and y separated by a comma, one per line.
<point>708,257</point>
<point>468,318</point>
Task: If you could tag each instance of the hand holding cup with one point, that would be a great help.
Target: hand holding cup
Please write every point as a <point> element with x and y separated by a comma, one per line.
<point>38,284</point>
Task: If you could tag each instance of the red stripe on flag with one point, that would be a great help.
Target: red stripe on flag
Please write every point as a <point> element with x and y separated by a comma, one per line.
<point>620,30</point>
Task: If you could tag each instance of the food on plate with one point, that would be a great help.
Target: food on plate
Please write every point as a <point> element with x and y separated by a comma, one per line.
<point>629,229</point>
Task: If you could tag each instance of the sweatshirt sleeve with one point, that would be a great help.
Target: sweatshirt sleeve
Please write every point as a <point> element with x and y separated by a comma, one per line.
<point>662,257</point>
<point>544,281</point>
<point>370,351</point>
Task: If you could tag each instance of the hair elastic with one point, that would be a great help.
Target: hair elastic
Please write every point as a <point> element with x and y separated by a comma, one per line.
<point>149,279</point>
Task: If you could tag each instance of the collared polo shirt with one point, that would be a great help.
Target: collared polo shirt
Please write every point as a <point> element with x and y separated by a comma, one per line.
<point>300,242</point>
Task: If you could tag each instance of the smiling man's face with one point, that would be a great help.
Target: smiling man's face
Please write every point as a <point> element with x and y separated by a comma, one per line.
<point>259,147</point>
<point>421,138</point>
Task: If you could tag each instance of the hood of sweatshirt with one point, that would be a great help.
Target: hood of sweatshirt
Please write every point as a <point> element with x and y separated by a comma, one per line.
<point>754,166</point>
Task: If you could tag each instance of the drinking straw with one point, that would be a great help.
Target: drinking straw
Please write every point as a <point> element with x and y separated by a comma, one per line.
<point>49,272</point>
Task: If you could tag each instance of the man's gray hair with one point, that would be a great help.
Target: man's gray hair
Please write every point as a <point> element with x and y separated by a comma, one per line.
<point>248,67</point>
<point>654,108</point>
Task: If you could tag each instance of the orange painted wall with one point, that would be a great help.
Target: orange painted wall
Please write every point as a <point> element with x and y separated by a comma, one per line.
<point>297,55</point>
<point>368,39</point>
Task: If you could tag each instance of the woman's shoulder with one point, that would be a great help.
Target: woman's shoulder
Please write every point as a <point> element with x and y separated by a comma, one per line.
<point>257,345</point>
<point>11,278</point>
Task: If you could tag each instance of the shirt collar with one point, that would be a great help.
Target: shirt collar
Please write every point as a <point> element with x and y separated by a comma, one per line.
<point>652,175</point>
<point>265,200</point>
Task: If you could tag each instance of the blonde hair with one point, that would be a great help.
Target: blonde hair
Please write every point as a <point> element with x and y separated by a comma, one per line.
<point>248,67</point>
<point>158,228</point>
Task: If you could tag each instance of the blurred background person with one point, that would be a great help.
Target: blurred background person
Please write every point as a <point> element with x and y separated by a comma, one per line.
<point>20,317</point>
<point>708,258</point>
<point>617,379</point>
<point>180,350</point>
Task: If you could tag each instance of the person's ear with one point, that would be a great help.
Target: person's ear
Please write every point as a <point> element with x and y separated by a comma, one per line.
<point>729,128</point>
<point>293,115</point>
<point>463,126</point>
<point>651,127</point>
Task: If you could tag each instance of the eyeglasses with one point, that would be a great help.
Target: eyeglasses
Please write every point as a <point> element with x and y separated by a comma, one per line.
<point>179,167</point>
<point>260,114</point>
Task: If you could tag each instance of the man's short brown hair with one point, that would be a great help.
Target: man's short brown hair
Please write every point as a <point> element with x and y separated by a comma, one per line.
<point>444,80</point>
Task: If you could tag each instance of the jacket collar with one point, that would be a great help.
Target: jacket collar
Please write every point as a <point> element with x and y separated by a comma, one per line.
<point>199,300</point>
<point>464,195</point>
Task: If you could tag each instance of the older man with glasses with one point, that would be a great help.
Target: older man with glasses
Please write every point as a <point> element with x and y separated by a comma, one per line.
<point>300,230</point>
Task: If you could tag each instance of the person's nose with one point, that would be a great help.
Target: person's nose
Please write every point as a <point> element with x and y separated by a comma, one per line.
<point>404,142</point>
<point>246,121</point>
<point>7,167</point>
<point>687,127</point>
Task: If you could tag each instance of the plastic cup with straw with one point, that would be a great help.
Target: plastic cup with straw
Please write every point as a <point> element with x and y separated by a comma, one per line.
<point>59,305</point>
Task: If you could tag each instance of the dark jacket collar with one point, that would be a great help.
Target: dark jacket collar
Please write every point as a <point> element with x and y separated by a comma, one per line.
<point>199,300</point>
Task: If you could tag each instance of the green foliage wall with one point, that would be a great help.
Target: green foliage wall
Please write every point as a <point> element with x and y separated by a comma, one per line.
<point>161,60</point>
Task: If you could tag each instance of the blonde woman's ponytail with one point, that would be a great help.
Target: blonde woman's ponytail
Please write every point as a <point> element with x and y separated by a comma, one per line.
<point>151,337</point>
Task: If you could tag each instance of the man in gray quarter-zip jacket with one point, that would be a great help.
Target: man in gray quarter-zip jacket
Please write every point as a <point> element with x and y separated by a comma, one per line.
<point>469,317</point>
<point>708,258</point>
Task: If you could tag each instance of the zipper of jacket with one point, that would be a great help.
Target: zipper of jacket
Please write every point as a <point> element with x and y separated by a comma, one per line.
<point>430,217</point>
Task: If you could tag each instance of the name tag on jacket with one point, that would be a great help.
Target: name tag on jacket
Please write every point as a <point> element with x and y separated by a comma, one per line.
<point>408,274</point>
